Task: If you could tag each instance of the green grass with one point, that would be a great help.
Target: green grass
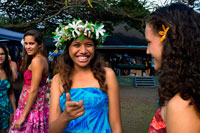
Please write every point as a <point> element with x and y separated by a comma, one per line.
<point>138,106</point>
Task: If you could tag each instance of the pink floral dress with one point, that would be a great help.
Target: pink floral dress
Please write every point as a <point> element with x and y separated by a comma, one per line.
<point>157,124</point>
<point>37,119</point>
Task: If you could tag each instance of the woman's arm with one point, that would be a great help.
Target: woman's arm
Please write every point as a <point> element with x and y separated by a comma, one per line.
<point>58,120</point>
<point>114,101</point>
<point>181,117</point>
<point>11,96</point>
<point>13,67</point>
<point>37,68</point>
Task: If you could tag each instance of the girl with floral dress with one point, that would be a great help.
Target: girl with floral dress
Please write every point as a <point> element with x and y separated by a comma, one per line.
<point>32,111</point>
<point>6,90</point>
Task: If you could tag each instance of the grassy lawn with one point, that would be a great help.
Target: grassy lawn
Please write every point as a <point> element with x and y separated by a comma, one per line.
<point>138,106</point>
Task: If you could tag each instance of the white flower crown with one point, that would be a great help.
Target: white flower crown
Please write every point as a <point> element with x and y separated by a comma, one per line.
<point>78,29</point>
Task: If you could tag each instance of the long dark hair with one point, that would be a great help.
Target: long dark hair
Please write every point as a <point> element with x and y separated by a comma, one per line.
<point>65,65</point>
<point>6,66</point>
<point>180,70</point>
<point>26,61</point>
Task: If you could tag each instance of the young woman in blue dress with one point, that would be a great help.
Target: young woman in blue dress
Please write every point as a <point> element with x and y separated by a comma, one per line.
<point>6,91</point>
<point>84,94</point>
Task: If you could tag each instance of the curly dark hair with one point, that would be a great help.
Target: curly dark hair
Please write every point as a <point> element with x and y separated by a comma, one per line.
<point>26,61</point>
<point>6,67</point>
<point>65,65</point>
<point>180,68</point>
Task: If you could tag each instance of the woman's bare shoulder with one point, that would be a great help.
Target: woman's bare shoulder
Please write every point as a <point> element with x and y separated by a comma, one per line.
<point>179,106</point>
<point>180,115</point>
<point>109,71</point>
<point>41,59</point>
<point>178,102</point>
<point>57,82</point>
<point>56,78</point>
<point>111,79</point>
<point>38,61</point>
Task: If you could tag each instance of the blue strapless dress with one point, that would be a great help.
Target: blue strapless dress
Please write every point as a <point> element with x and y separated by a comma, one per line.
<point>95,118</point>
<point>4,104</point>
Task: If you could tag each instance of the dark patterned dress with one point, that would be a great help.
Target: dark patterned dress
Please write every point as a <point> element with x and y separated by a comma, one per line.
<point>157,124</point>
<point>4,104</point>
<point>95,118</point>
<point>37,119</point>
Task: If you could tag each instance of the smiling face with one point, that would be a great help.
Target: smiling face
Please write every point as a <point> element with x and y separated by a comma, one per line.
<point>2,56</point>
<point>155,47</point>
<point>81,52</point>
<point>30,45</point>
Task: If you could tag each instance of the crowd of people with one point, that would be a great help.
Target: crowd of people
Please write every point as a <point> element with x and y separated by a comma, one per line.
<point>84,93</point>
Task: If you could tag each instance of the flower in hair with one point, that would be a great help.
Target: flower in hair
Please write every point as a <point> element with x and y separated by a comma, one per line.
<point>22,42</point>
<point>163,33</point>
<point>100,31</point>
<point>78,29</point>
<point>54,54</point>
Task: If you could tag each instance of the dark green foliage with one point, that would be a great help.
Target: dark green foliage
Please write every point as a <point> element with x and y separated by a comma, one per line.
<point>21,15</point>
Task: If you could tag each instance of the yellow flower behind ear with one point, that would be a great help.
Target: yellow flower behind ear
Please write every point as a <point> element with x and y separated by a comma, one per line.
<point>163,33</point>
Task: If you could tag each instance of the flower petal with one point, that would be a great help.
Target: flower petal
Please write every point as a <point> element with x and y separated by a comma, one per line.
<point>161,33</point>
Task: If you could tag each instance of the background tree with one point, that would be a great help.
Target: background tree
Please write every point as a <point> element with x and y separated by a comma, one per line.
<point>195,4</point>
<point>20,15</point>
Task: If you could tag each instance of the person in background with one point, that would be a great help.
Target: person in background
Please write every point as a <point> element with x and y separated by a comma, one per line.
<point>152,71</point>
<point>6,90</point>
<point>173,35</point>
<point>148,66</point>
<point>13,67</point>
<point>53,56</point>
<point>84,94</point>
<point>32,111</point>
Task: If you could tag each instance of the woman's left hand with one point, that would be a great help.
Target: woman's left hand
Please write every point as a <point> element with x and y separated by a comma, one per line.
<point>18,123</point>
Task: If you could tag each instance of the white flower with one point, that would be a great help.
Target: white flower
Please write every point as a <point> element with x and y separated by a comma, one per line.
<point>59,32</point>
<point>92,27</point>
<point>75,26</point>
<point>86,23</point>
<point>66,27</point>
<point>22,42</point>
<point>57,39</point>
<point>101,31</point>
<point>81,28</point>
<point>87,32</point>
